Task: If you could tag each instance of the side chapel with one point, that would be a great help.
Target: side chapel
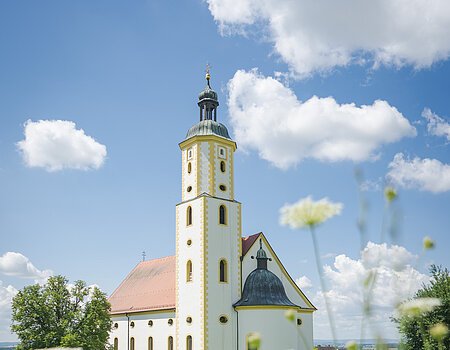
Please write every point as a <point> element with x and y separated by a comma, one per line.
<point>219,287</point>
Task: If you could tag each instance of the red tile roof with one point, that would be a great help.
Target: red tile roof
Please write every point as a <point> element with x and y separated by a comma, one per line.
<point>151,284</point>
<point>248,241</point>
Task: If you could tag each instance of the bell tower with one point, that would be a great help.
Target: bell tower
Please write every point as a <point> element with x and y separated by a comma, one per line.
<point>208,234</point>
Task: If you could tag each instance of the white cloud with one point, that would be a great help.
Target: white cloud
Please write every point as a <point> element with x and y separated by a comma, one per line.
<point>371,185</point>
<point>58,144</point>
<point>268,117</point>
<point>16,264</point>
<point>436,125</point>
<point>396,281</point>
<point>303,282</point>
<point>6,295</point>
<point>318,35</point>
<point>424,174</point>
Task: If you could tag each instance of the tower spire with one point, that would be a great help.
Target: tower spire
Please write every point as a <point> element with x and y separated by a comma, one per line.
<point>208,75</point>
<point>207,100</point>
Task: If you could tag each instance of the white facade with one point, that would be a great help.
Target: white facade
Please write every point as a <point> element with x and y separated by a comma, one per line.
<point>211,269</point>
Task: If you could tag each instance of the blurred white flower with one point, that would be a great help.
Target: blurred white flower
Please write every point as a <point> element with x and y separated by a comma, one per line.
<point>306,212</point>
<point>439,331</point>
<point>351,345</point>
<point>418,306</point>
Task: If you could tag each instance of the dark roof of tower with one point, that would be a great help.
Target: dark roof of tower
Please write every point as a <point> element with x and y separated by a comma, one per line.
<point>263,287</point>
<point>208,127</point>
<point>208,93</point>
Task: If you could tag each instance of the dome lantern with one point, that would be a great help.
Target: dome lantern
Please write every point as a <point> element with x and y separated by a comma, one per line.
<point>207,100</point>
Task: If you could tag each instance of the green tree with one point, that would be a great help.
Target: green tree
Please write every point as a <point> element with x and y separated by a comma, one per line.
<point>56,314</point>
<point>415,331</point>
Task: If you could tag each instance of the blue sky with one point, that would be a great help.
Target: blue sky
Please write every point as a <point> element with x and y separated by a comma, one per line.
<point>128,74</point>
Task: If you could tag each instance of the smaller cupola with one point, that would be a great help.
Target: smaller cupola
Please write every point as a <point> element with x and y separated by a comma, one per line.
<point>262,287</point>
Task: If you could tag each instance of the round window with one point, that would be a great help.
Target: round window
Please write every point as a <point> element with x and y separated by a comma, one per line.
<point>150,323</point>
<point>170,322</point>
<point>299,321</point>
<point>116,325</point>
<point>189,319</point>
<point>223,187</point>
<point>189,189</point>
<point>189,242</point>
<point>223,319</point>
<point>131,324</point>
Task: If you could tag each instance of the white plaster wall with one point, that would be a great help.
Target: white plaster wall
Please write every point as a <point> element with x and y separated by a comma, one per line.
<point>225,178</point>
<point>189,179</point>
<point>204,168</point>
<point>160,331</point>
<point>277,333</point>
<point>223,242</point>
<point>190,295</point>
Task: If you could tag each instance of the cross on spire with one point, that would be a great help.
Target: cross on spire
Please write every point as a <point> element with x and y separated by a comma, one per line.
<point>143,255</point>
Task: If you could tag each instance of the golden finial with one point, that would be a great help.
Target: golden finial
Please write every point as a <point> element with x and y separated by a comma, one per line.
<point>208,76</point>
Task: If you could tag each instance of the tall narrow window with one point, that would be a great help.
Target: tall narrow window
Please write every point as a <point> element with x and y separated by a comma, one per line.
<point>150,343</point>
<point>132,344</point>
<point>189,167</point>
<point>249,342</point>
<point>188,342</point>
<point>222,166</point>
<point>170,343</point>
<point>116,344</point>
<point>189,216</point>
<point>222,215</point>
<point>189,271</point>
<point>223,271</point>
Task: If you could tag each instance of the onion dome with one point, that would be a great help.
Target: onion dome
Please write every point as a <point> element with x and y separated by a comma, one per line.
<point>262,287</point>
<point>208,127</point>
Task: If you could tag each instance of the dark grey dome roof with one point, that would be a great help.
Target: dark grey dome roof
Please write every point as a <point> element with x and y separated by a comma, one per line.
<point>263,287</point>
<point>208,127</point>
<point>207,93</point>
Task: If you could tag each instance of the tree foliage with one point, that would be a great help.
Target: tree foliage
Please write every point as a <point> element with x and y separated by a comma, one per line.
<point>415,330</point>
<point>57,314</point>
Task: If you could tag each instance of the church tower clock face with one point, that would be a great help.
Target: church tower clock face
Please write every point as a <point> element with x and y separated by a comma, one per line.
<point>210,218</point>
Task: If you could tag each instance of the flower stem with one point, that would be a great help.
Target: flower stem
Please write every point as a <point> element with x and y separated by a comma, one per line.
<point>322,282</point>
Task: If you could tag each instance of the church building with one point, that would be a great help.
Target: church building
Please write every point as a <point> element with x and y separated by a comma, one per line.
<point>220,287</point>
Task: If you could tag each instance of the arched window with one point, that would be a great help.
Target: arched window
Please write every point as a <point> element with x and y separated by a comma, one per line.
<point>222,215</point>
<point>222,166</point>
<point>188,342</point>
<point>170,343</point>
<point>150,343</point>
<point>249,342</point>
<point>132,344</point>
<point>223,271</point>
<point>116,344</point>
<point>189,271</point>
<point>189,216</point>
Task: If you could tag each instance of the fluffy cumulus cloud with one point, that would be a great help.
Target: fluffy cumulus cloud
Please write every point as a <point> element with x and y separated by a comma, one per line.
<point>436,125</point>
<point>16,264</point>
<point>267,116</point>
<point>58,144</point>
<point>303,282</point>
<point>6,295</point>
<point>317,35</point>
<point>424,174</point>
<point>396,281</point>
